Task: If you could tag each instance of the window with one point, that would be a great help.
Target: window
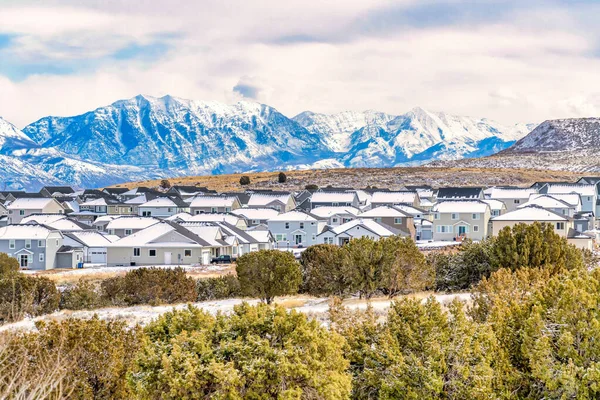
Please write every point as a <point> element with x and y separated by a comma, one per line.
<point>560,225</point>
<point>301,225</point>
<point>41,257</point>
<point>436,216</point>
<point>28,244</point>
<point>170,209</point>
<point>475,216</point>
<point>314,237</point>
<point>280,237</point>
<point>11,244</point>
<point>328,240</point>
<point>444,229</point>
<point>397,221</point>
<point>234,250</point>
<point>151,253</point>
<point>564,211</point>
<point>334,220</point>
<point>136,252</point>
<point>454,216</point>
<point>127,232</point>
<point>197,212</point>
<point>475,228</point>
<point>187,253</point>
<point>517,201</point>
<point>213,209</point>
<point>377,219</point>
<point>41,243</point>
<point>589,198</point>
<point>21,212</point>
<point>287,225</point>
<point>227,209</point>
<point>146,213</point>
<point>57,243</point>
<point>255,222</point>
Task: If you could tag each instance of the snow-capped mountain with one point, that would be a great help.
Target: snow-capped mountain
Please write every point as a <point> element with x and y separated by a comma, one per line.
<point>567,144</point>
<point>147,137</point>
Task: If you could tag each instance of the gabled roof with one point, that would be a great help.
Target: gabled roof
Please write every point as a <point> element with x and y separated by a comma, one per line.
<point>212,201</point>
<point>546,201</point>
<point>30,203</point>
<point>90,238</point>
<point>502,193</point>
<point>58,189</point>
<point>150,236</point>
<point>385,212</point>
<point>582,189</point>
<point>495,204</point>
<point>131,222</point>
<point>333,197</point>
<point>573,199</point>
<point>461,206</point>
<point>294,216</point>
<point>116,190</point>
<point>369,224</point>
<point>403,197</point>
<point>215,217</point>
<point>171,201</point>
<point>242,197</point>
<point>531,214</point>
<point>263,199</point>
<point>209,232</point>
<point>256,213</point>
<point>459,193</point>
<point>329,211</point>
<point>55,221</point>
<point>28,231</point>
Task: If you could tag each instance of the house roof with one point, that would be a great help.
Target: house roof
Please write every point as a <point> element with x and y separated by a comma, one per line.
<point>333,197</point>
<point>293,216</point>
<point>90,238</point>
<point>55,221</point>
<point>326,211</point>
<point>502,193</point>
<point>216,217</point>
<point>394,197</point>
<point>459,192</point>
<point>28,231</point>
<point>573,199</point>
<point>461,206</point>
<point>546,201</point>
<point>242,197</point>
<point>210,233</point>
<point>29,203</point>
<point>495,204</point>
<point>262,199</point>
<point>369,224</point>
<point>59,189</point>
<point>531,213</point>
<point>582,189</point>
<point>149,237</point>
<point>385,212</point>
<point>212,201</point>
<point>131,222</point>
<point>164,202</point>
<point>256,213</point>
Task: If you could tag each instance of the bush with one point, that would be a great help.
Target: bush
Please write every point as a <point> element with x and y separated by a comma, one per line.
<point>165,184</point>
<point>325,271</point>
<point>469,265</point>
<point>222,287</point>
<point>245,180</point>
<point>22,295</point>
<point>258,352</point>
<point>150,286</point>
<point>84,295</point>
<point>268,273</point>
<point>8,264</point>
<point>281,178</point>
<point>311,187</point>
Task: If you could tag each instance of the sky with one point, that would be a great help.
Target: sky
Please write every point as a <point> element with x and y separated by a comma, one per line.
<point>507,60</point>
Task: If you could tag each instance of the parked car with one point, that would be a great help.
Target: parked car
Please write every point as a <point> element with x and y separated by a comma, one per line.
<point>222,259</point>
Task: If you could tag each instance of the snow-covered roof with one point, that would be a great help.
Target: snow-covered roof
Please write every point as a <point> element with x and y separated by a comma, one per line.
<point>93,203</point>
<point>104,219</point>
<point>260,236</point>
<point>54,221</point>
<point>333,197</point>
<point>293,216</point>
<point>502,193</point>
<point>256,213</point>
<point>210,233</point>
<point>385,212</point>
<point>92,238</point>
<point>495,205</point>
<point>326,212</point>
<point>394,197</point>
<point>546,201</point>
<point>262,199</point>
<point>410,209</point>
<point>461,206</point>
<point>30,203</point>
<point>126,222</point>
<point>150,237</point>
<point>216,217</point>
<point>425,193</point>
<point>137,200</point>
<point>19,232</point>
<point>369,224</point>
<point>159,202</point>
<point>182,216</point>
<point>573,199</point>
<point>531,213</point>
<point>583,190</point>
<point>212,201</point>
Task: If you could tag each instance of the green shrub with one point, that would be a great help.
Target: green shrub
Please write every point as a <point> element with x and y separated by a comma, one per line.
<point>245,180</point>
<point>281,178</point>
<point>22,295</point>
<point>8,264</point>
<point>150,286</point>
<point>221,287</point>
<point>83,295</point>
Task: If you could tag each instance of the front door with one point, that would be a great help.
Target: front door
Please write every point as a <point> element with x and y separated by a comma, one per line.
<point>298,239</point>
<point>24,260</point>
<point>167,258</point>
<point>462,230</point>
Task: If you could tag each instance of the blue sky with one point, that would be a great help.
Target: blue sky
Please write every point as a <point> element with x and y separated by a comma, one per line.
<point>514,61</point>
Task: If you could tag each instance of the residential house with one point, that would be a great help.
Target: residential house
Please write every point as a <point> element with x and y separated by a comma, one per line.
<point>357,228</point>
<point>295,229</point>
<point>302,200</point>
<point>282,202</point>
<point>553,204</point>
<point>334,216</point>
<point>115,191</point>
<point>460,193</point>
<point>92,243</point>
<point>34,246</point>
<point>497,207</point>
<point>128,225</point>
<point>214,204</point>
<point>511,197</point>
<point>163,243</point>
<point>220,243</point>
<point>235,220</point>
<point>255,216</point>
<point>57,191</point>
<point>383,198</point>
<point>460,219</point>
<point>163,207</point>
<point>588,194</point>
<point>187,192</point>
<point>26,206</point>
<point>393,217</point>
<point>334,199</point>
<point>55,221</point>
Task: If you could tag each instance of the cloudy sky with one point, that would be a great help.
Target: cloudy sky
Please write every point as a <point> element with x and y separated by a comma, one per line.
<point>513,61</point>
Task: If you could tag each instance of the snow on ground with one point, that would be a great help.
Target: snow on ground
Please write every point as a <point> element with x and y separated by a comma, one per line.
<point>315,307</point>
<point>423,244</point>
<point>94,269</point>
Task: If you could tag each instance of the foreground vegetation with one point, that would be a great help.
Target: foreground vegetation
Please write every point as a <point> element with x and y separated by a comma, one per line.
<point>530,331</point>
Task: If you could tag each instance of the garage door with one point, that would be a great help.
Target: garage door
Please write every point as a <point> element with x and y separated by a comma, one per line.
<point>97,256</point>
<point>206,257</point>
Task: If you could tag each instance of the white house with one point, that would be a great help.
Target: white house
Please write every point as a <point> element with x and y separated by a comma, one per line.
<point>93,244</point>
<point>394,198</point>
<point>295,229</point>
<point>213,204</point>
<point>282,202</point>
<point>550,203</point>
<point>255,216</point>
<point>25,206</point>
<point>588,193</point>
<point>357,228</point>
<point>334,199</point>
<point>162,207</point>
<point>511,197</point>
<point>335,215</point>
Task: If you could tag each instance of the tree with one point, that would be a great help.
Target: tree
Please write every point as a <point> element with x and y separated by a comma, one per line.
<point>405,268</point>
<point>165,184</point>
<point>257,352</point>
<point>311,187</point>
<point>325,271</point>
<point>22,295</point>
<point>469,265</point>
<point>282,177</point>
<point>268,273</point>
<point>8,264</point>
<point>365,257</point>
<point>245,180</point>
<point>81,296</point>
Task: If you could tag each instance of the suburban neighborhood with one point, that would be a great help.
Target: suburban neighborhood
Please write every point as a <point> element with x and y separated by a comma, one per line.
<point>62,227</point>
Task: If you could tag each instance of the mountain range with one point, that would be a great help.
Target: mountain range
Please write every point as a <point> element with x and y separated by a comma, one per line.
<point>146,137</point>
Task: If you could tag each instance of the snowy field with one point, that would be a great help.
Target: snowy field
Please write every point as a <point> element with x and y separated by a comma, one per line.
<point>314,307</point>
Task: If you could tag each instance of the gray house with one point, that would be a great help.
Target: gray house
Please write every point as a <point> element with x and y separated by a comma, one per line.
<point>34,246</point>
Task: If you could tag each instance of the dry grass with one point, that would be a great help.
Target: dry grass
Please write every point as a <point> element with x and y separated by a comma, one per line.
<point>393,178</point>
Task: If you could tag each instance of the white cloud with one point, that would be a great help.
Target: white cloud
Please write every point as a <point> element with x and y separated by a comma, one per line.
<point>511,70</point>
